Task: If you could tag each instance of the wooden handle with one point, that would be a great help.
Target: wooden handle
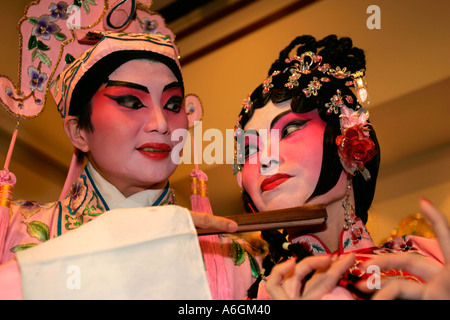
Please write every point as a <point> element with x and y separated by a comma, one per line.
<point>275,219</point>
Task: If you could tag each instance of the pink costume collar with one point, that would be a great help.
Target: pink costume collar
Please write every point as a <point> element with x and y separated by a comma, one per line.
<point>348,241</point>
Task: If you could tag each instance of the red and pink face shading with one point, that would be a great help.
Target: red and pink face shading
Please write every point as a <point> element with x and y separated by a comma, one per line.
<point>133,116</point>
<point>288,178</point>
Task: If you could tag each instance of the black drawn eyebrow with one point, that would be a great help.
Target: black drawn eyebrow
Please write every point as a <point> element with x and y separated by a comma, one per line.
<point>174,84</point>
<point>114,83</point>
<point>278,117</point>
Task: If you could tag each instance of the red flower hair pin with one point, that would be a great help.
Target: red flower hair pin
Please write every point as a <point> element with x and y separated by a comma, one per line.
<point>355,147</point>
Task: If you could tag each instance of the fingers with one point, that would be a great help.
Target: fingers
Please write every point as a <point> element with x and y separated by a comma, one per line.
<point>399,289</point>
<point>274,281</point>
<point>415,264</point>
<point>436,278</point>
<point>440,225</point>
<point>439,287</point>
<point>302,269</point>
<point>286,279</point>
<point>341,266</point>
<point>325,282</point>
<point>309,264</point>
<point>205,220</point>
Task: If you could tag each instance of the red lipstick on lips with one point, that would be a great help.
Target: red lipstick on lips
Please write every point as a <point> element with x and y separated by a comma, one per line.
<point>155,151</point>
<point>273,181</point>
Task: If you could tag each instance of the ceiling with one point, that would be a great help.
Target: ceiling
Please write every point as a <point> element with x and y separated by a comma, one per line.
<point>226,47</point>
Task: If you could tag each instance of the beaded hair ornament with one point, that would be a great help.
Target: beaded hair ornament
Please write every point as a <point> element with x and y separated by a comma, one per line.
<point>355,147</point>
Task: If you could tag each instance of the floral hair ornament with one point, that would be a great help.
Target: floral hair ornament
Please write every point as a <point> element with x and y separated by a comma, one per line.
<point>267,83</point>
<point>302,65</point>
<point>239,150</point>
<point>336,102</point>
<point>309,61</point>
<point>355,147</point>
<point>360,84</point>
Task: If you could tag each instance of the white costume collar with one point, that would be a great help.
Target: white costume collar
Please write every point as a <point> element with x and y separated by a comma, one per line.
<point>115,199</point>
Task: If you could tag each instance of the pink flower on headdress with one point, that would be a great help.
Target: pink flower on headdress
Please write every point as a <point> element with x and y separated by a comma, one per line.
<point>37,79</point>
<point>350,118</point>
<point>45,28</point>
<point>58,11</point>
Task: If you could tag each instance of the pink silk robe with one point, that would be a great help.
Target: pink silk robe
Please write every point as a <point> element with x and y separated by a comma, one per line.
<point>32,223</point>
<point>362,245</point>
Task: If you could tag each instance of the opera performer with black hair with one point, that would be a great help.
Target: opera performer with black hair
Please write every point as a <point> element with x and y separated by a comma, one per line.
<point>313,104</point>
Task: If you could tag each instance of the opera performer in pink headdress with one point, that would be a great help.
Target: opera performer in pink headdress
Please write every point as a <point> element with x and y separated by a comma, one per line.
<point>117,83</point>
<point>303,137</point>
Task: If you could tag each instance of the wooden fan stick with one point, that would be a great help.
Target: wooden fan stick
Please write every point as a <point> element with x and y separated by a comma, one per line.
<point>275,219</point>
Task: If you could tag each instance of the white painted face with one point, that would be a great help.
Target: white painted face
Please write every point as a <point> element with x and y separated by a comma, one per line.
<point>286,179</point>
<point>133,116</point>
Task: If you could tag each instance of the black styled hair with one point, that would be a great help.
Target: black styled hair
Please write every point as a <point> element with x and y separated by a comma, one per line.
<point>338,53</point>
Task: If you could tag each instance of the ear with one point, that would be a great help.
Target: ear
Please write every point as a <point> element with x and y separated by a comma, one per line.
<point>76,135</point>
<point>194,109</point>
<point>239,179</point>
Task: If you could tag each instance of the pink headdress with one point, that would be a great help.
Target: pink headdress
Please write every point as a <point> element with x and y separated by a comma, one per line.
<point>107,44</point>
<point>60,42</point>
<point>53,35</point>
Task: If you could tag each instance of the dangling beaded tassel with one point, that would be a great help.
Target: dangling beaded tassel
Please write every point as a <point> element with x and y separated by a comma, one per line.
<point>349,210</point>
